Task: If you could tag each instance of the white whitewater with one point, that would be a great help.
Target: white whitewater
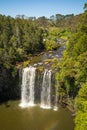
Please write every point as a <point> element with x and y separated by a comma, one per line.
<point>28,83</point>
<point>56,99</point>
<point>46,90</point>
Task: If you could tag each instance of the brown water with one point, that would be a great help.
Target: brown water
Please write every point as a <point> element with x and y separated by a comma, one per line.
<point>12,117</point>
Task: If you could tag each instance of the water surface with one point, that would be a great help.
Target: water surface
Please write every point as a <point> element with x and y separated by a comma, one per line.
<point>12,117</point>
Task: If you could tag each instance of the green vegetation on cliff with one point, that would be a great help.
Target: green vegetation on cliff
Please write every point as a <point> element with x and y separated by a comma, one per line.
<point>72,72</point>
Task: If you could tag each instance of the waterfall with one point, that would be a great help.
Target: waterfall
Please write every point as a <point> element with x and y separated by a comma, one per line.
<point>28,83</point>
<point>56,100</point>
<point>38,88</point>
<point>46,90</point>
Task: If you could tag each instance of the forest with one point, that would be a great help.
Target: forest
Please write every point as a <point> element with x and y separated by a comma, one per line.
<point>24,37</point>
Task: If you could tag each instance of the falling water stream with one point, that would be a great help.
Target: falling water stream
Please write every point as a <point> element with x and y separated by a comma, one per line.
<point>28,89</point>
<point>56,100</point>
<point>28,83</point>
<point>46,90</point>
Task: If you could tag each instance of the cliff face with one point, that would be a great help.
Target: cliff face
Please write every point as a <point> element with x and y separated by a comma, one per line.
<point>9,85</point>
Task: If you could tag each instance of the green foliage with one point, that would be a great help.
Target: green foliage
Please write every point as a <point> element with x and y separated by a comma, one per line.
<point>18,39</point>
<point>73,66</point>
<point>21,37</point>
<point>85,6</point>
<point>81,121</point>
<point>51,40</point>
<point>26,63</point>
<point>40,68</point>
<point>72,72</point>
<point>50,45</point>
<point>81,105</point>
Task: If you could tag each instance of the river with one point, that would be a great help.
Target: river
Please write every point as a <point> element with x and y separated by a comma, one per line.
<point>12,117</point>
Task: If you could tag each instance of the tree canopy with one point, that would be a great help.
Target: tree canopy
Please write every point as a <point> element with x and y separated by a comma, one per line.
<point>72,71</point>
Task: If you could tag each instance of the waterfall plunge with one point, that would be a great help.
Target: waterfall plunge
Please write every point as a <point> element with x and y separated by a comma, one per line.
<point>28,89</point>
<point>46,90</point>
<point>56,100</point>
<point>28,83</point>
